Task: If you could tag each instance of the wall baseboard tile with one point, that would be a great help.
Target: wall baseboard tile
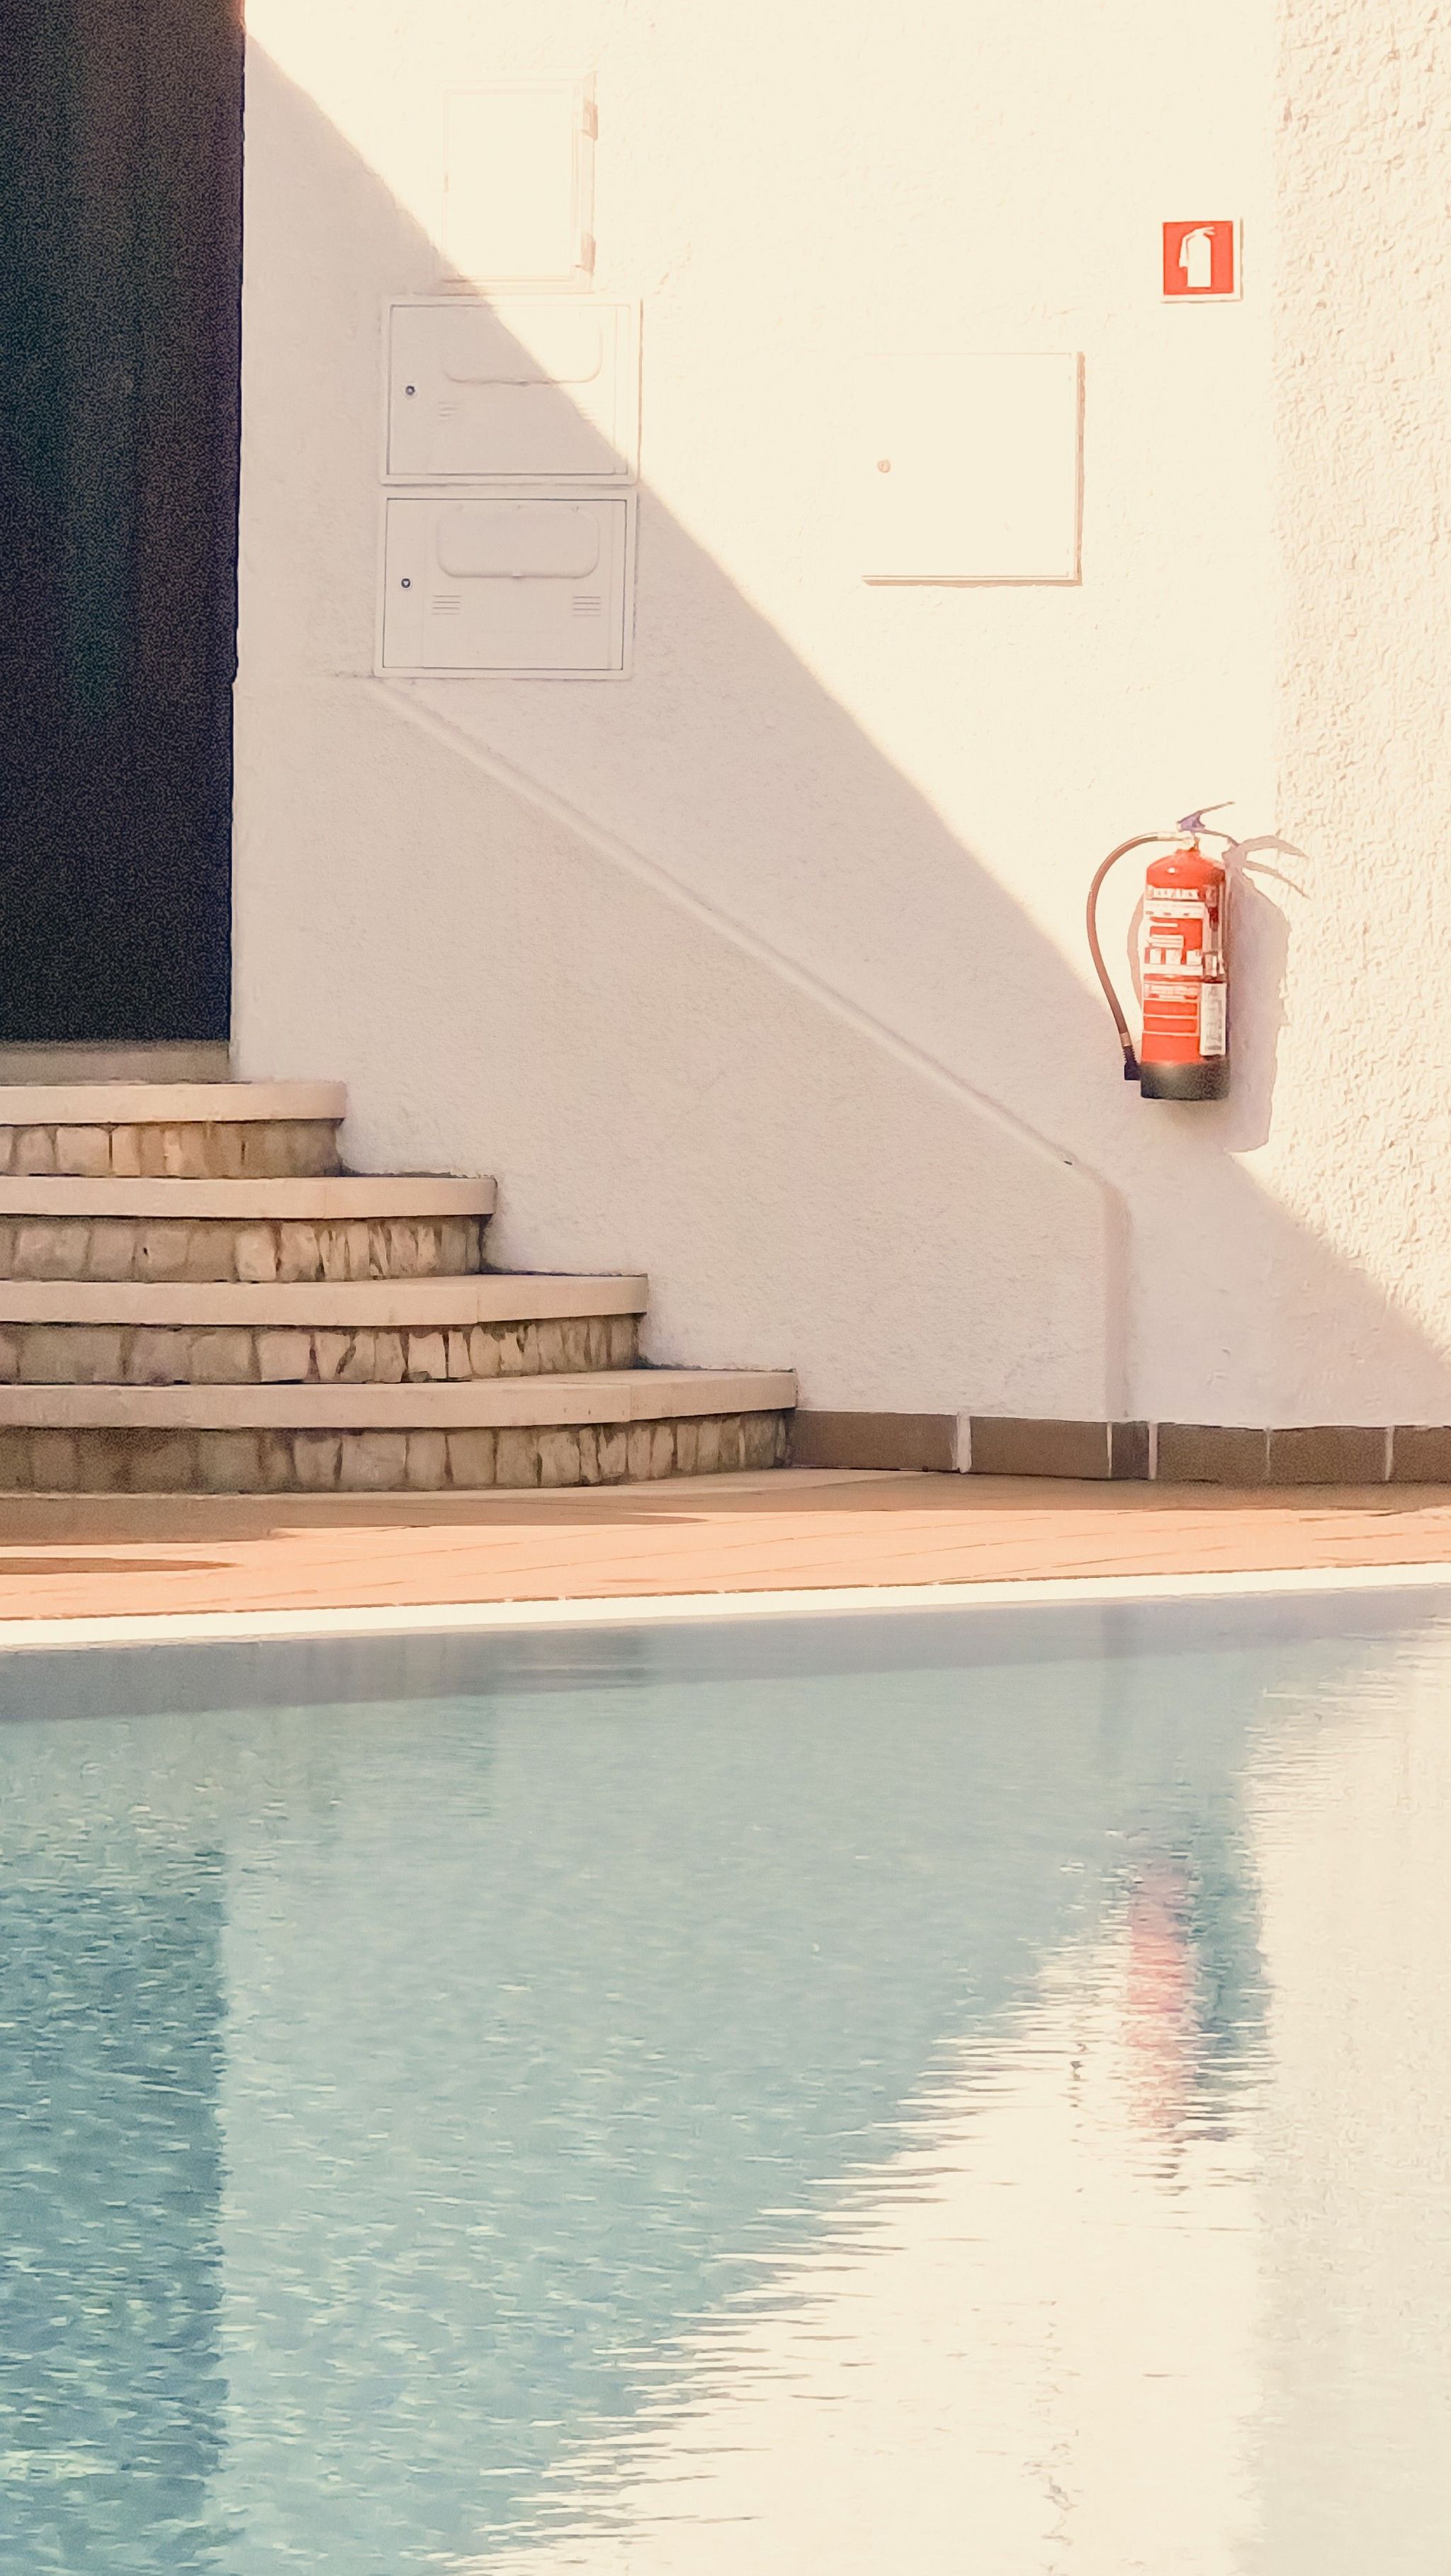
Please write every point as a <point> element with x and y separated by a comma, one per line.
<point>1420,1455</point>
<point>925,1441</point>
<point>998,1445</point>
<point>1168,1453</point>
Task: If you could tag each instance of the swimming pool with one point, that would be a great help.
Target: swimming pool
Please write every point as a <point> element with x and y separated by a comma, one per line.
<point>963,2091</point>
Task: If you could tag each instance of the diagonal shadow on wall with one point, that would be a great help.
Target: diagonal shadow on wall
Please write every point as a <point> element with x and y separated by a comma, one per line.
<point>585,937</point>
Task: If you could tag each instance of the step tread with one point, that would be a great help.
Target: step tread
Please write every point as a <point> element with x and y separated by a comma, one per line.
<point>102,1060</point>
<point>603,1395</point>
<point>328,1198</point>
<point>167,1104</point>
<point>472,1297</point>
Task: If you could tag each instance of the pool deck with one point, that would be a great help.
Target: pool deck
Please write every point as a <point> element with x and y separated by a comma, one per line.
<point>71,1557</point>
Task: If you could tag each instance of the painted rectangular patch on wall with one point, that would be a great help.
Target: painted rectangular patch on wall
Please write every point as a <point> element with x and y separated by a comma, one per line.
<point>520,585</point>
<point>967,468</point>
<point>519,181</point>
<point>516,390</point>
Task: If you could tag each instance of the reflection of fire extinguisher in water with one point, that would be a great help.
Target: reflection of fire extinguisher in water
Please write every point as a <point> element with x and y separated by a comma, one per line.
<point>1183,1053</point>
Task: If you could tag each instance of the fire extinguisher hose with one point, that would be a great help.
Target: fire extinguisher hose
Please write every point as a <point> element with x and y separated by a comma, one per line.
<point>1140,841</point>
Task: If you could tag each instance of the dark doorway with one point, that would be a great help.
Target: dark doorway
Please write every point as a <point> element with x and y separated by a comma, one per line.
<point>120,219</point>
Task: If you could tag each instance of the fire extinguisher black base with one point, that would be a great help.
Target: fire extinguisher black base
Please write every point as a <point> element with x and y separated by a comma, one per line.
<point>1185,1081</point>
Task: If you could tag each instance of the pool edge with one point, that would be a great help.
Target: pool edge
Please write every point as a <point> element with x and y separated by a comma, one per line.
<point>219,1627</point>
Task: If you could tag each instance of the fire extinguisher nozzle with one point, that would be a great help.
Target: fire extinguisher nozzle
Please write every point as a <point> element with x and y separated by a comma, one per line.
<point>1131,1066</point>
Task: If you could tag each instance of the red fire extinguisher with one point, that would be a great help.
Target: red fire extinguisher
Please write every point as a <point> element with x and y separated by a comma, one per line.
<point>1183,1053</point>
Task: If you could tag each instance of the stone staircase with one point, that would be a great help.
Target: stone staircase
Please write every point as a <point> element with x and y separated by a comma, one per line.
<point>195,1298</point>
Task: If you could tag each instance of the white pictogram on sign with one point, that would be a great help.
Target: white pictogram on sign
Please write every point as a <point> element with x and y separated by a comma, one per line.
<point>1196,258</point>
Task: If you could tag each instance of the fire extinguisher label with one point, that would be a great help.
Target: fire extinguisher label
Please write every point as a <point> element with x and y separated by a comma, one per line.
<point>1212,1018</point>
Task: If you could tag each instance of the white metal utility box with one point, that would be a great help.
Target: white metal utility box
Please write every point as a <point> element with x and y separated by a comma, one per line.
<point>519,180</point>
<point>521,389</point>
<point>529,584</point>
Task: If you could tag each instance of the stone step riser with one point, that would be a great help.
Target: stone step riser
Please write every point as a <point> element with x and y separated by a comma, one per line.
<point>218,1248</point>
<point>251,1355</point>
<point>257,1150</point>
<point>277,1462</point>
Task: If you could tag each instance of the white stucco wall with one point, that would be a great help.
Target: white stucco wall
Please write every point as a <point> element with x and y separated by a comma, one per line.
<point>764,969</point>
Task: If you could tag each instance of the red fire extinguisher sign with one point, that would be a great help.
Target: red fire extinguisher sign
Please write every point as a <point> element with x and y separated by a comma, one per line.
<point>1201,260</point>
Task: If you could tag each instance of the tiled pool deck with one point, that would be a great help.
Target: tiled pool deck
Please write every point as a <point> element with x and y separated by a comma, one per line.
<point>75,1557</point>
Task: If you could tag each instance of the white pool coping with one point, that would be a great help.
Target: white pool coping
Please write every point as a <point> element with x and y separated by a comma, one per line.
<point>633,1610</point>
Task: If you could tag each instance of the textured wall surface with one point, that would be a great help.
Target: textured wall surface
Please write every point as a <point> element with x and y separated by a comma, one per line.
<point>1361,1147</point>
<point>764,969</point>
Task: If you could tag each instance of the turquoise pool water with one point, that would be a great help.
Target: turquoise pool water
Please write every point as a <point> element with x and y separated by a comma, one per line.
<point>950,2093</point>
